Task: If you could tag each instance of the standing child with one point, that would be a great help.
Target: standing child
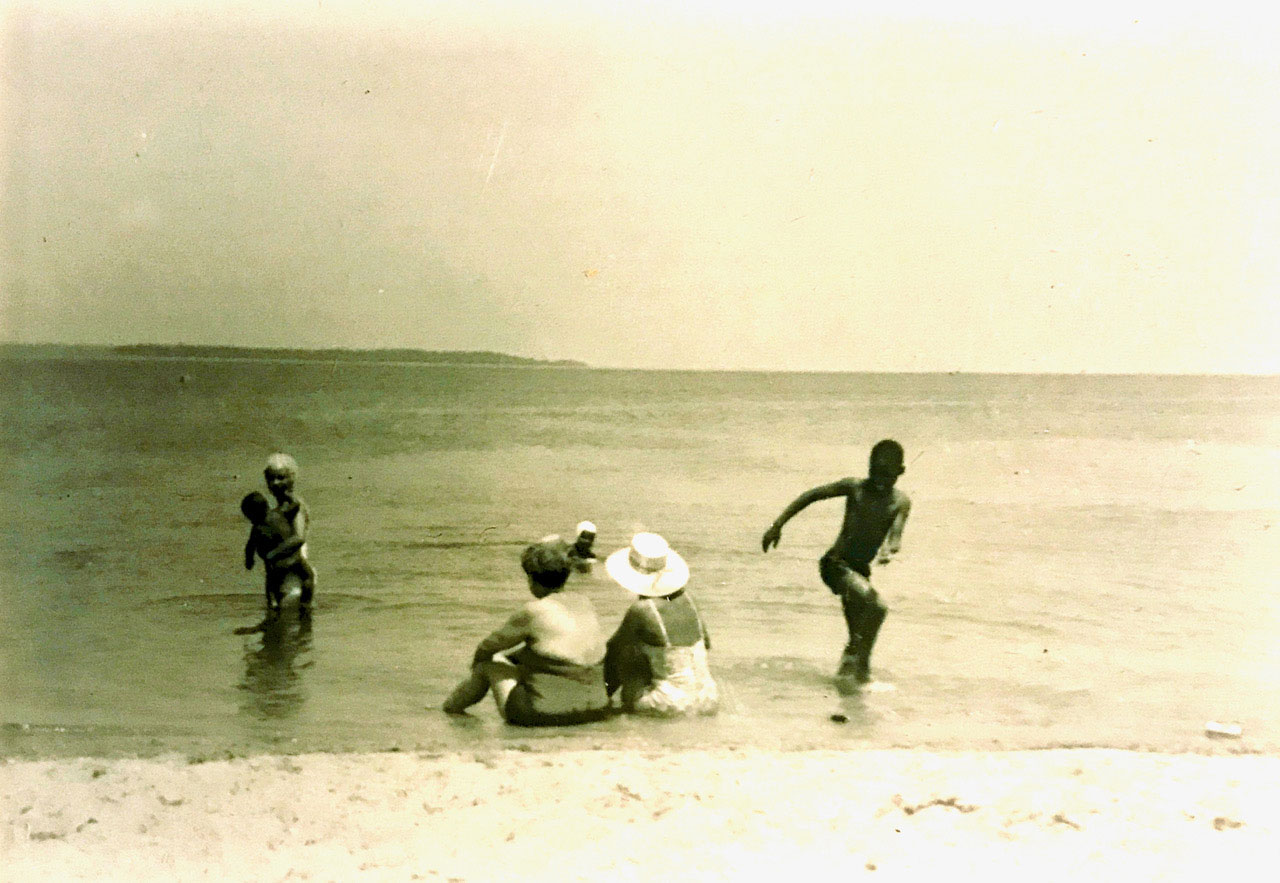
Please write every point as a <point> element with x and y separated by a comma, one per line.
<point>582,556</point>
<point>281,474</point>
<point>875,513</point>
<point>271,539</point>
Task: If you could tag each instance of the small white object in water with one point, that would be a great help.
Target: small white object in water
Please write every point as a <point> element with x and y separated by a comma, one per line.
<point>1229,731</point>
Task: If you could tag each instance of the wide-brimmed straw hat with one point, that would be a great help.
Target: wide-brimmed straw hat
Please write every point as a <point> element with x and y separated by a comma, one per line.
<point>648,567</point>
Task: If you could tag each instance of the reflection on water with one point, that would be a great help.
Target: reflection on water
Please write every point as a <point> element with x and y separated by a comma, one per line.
<point>272,684</point>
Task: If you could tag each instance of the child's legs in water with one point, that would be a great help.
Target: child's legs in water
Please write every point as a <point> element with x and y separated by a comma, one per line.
<point>275,587</point>
<point>306,579</point>
<point>301,569</point>
<point>863,612</point>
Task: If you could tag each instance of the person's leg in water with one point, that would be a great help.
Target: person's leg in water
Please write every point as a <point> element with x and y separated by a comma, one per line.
<point>874,613</point>
<point>863,614</point>
<point>274,580</point>
<point>307,583</point>
<point>498,674</point>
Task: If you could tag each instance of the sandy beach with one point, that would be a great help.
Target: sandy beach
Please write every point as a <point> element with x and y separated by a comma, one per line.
<point>694,815</point>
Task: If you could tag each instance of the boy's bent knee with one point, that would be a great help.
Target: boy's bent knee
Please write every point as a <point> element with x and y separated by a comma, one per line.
<point>861,593</point>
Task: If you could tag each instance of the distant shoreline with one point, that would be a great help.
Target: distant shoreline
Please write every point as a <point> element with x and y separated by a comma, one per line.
<point>204,353</point>
<point>11,351</point>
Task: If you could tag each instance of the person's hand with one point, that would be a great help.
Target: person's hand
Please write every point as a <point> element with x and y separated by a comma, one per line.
<point>771,537</point>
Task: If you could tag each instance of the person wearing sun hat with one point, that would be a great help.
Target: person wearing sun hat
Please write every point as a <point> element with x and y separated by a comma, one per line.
<point>657,659</point>
<point>557,676</point>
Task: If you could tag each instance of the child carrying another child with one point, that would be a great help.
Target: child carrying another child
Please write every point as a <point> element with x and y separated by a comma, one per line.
<point>279,535</point>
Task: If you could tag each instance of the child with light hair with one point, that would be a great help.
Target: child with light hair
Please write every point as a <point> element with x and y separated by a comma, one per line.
<point>281,474</point>
<point>269,539</point>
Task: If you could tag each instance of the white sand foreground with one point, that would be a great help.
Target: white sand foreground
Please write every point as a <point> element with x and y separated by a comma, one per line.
<point>1072,814</point>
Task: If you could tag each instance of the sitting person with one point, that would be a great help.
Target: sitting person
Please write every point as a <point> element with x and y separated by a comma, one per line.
<point>557,677</point>
<point>658,655</point>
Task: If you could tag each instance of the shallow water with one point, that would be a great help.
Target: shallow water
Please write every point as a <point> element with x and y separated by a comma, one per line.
<point>1089,561</point>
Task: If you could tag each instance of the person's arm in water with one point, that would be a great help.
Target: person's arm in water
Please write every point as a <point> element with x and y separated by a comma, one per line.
<point>617,647</point>
<point>706,635</point>
<point>893,540</point>
<point>623,658</point>
<point>822,492</point>
<point>512,633</point>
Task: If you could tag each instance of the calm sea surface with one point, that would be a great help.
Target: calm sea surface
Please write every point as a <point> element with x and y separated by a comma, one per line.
<point>1089,561</point>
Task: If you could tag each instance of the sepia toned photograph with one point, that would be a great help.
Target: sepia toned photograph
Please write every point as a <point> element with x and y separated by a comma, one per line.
<point>566,440</point>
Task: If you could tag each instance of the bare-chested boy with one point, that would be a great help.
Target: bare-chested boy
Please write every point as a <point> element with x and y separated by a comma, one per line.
<point>875,513</point>
<point>281,473</point>
<point>272,539</point>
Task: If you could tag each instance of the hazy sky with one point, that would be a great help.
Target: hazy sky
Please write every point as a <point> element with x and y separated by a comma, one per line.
<point>734,185</point>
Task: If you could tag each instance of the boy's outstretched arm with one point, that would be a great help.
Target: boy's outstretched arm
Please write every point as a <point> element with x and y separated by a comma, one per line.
<point>893,540</point>
<point>248,552</point>
<point>822,492</point>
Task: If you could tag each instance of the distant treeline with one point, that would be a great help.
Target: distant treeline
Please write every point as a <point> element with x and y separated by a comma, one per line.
<point>335,354</point>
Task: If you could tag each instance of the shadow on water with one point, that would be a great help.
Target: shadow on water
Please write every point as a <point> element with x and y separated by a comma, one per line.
<point>272,684</point>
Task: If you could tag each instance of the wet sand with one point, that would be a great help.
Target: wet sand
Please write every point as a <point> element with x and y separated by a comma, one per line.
<point>689,815</point>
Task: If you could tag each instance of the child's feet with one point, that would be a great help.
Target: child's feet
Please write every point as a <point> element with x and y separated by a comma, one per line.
<point>854,666</point>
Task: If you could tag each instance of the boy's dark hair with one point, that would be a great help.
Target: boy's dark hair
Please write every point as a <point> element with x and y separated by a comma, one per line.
<point>889,454</point>
<point>254,504</point>
<point>547,563</point>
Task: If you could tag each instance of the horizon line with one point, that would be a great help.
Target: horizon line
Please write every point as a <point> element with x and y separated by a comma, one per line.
<point>565,363</point>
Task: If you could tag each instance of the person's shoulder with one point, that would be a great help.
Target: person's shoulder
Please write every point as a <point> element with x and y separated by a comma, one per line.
<point>900,499</point>
<point>642,608</point>
<point>554,601</point>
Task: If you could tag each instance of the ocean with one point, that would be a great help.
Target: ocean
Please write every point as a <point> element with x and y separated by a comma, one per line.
<point>1090,560</point>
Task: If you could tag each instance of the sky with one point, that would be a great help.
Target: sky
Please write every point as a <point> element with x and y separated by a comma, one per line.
<point>704,185</point>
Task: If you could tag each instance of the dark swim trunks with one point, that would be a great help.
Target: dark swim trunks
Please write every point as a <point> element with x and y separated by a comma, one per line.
<point>554,693</point>
<point>836,572</point>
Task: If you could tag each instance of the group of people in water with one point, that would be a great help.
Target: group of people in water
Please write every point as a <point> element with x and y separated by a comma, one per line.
<point>550,663</point>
